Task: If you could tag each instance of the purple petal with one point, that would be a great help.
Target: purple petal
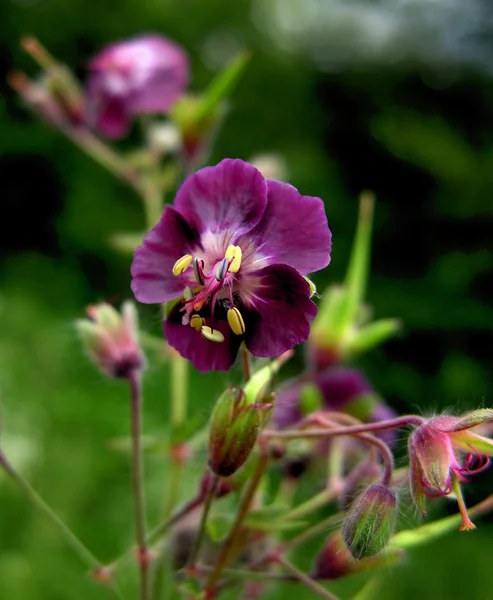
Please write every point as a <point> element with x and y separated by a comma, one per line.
<point>293,230</point>
<point>107,114</point>
<point>280,312</point>
<point>163,79</point>
<point>231,196</point>
<point>204,355</point>
<point>340,386</point>
<point>287,406</point>
<point>153,280</point>
<point>144,75</point>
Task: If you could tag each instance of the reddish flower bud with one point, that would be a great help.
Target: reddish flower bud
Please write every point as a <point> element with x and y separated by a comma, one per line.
<point>111,339</point>
<point>370,521</point>
<point>334,560</point>
<point>443,451</point>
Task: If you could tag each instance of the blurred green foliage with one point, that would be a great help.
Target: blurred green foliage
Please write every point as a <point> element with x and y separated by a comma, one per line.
<point>427,152</point>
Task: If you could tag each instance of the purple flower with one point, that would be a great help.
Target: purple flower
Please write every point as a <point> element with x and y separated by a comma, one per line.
<point>143,75</point>
<point>233,250</point>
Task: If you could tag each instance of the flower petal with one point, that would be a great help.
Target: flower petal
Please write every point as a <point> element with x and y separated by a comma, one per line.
<point>231,196</point>
<point>152,268</point>
<point>433,450</point>
<point>108,114</point>
<point>204,355</point>
<point>293,230</point>
<point>279,311</point>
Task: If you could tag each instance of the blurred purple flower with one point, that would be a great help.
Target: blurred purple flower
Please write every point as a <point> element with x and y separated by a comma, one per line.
<point>233,250</point>
<point>341,389</point>
<point>143,75</point>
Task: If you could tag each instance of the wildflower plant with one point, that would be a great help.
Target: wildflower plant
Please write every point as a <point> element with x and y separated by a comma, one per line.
<point>227,259</point>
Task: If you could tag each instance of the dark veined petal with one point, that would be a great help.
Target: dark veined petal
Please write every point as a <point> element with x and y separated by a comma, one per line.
<point>203,354</point>
<point>280,311</point>
<point>152,268</point>
<point>230,197</point>
<point>293,230</point>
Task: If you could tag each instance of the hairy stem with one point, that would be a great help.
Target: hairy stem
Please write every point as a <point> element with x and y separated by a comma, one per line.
<point>138,481</point>
<point>351,430</point>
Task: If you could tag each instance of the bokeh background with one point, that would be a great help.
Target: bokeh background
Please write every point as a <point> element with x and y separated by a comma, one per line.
<point>395,96</point>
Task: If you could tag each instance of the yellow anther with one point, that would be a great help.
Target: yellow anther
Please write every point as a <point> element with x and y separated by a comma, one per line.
<point>187,293</point>
<point>234,254</point>
<point>211,335</point>
<point>182,264</point>
<point>197,322</point>
<point>236,321</point>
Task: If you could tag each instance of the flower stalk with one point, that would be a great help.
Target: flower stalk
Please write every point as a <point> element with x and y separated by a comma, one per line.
<point>143,555</point>
<point>85,555</point>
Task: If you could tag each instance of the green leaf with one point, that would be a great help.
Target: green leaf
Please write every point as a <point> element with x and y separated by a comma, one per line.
<point>218,526</point>
<point>222,86</point>
<point>373,335</point>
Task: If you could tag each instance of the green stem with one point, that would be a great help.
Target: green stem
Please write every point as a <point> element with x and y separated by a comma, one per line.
<point>105,156</point>
<point>138,481</point>
<point>317,501</point>
<point>179,391</point>
<point>71,539</point>
<point>211,492</point>
<point>229,543</point>
<point>305,579</point>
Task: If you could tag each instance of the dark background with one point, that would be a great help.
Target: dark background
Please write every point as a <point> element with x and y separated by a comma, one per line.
<point>396,97</point>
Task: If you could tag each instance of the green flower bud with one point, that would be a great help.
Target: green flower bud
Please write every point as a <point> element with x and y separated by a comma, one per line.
<point>235,425</point>
<point>370,522</point>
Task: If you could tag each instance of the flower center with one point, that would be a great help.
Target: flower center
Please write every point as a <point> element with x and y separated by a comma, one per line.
<point>206,289</point>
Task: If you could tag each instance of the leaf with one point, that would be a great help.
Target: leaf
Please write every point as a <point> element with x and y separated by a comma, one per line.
<point>222,86</point>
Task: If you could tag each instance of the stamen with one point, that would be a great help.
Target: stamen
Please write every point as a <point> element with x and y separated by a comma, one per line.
<point>222,269</point>
<point>187,293</point>
<point>197,271</point>
<point>234,255</point>
<point>236,321</point>
<point>197,322</point>
<point>211,335</point>
<point>182,264</point>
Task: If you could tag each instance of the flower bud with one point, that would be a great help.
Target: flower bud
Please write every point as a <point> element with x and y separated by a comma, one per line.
<point>370,521</point>
<point>141,76</point>
<point>111,339</point>
<point>341,328</point>
<point>235,425</point>
<point>334,560</point>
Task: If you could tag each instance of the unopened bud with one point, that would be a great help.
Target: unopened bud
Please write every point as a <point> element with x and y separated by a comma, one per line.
<point>111,339</point>
<point>334,560</point>
<point>370,521</point>
<point>235,425</point>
